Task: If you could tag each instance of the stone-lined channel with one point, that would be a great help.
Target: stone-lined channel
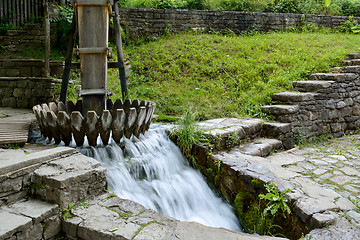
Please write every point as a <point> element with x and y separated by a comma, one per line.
<point>152,171</point>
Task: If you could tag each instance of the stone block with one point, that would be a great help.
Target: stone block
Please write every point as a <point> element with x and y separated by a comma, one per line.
<point>22,102</point>
<point>18,92</point>
<point>11,185</point>
<point>37,71</point>
<point>8,102</point>
<point>288,97</point>
<point>305,208</point>
<point>26,72</point>
<point>319,220</point>
<point>274,129</point>
<point>34,232</point>
<point>13,72</point>
<point>280,109</point>
<point>13,224</point>
<point>52,227</point>
<point>70,179</point>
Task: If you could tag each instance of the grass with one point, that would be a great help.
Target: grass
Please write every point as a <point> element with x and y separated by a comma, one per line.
<point>232,76</point>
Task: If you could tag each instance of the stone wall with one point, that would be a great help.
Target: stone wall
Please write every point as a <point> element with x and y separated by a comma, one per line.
<point>25,92</point>
<point>29,68</point>
<point>19,39</point>
<point>326,104</point>
<point>146,22</point>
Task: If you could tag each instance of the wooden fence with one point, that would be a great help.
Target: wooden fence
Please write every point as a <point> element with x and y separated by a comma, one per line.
<point>17,12</point>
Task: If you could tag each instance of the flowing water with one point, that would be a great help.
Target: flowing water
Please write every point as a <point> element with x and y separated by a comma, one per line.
<point>152,171</point>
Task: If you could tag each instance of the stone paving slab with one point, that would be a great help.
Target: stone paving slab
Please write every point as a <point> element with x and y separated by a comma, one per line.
<point>259,147</point>
<point>316,200</point>
<point>11,160</point>
<point>109,217</point>
<point>29,219</point>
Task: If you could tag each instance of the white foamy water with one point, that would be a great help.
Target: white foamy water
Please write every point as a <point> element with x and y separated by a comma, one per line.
<point>152,171</point>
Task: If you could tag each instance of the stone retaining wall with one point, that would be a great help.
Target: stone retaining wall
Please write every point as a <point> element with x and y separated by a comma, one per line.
<point>19,39</point>
<point>29,68</point>
<point>327,104</point>
<point>25,92</point>
<point>140,22</point>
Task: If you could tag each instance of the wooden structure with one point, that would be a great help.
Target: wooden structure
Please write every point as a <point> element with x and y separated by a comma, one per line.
<point>93,27</point>
<point>94,115</point>
<point>16,12</point>
<point>75,29</point>
<point>15,126</point>
<point>60,122</point>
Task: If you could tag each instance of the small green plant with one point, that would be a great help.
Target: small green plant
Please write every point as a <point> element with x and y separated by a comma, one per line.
<point>218,165</point>
<point>216,140</point>
<point>299,138</point>
<point>276,201</point>
<point>188,133</point>
<point>355,202</point>
<point>232,140</point>
<point>66,212</point>
<point>36,186</point>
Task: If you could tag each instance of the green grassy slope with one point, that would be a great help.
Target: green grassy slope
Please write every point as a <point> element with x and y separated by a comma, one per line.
<point>227,75</point>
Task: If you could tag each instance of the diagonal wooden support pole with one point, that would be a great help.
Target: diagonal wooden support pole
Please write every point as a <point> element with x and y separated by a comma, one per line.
<point>68,63</point>
<point>119,51</point>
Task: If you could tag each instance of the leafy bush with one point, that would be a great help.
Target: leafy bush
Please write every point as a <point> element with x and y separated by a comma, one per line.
<point>350,8</point>
<point>284,6</point>
<point>64,24</point>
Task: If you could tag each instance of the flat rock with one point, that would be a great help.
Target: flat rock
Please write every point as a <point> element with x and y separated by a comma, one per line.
<point>354,217</point>
<point>12,160</point>
<point>319,220</point>
<point>342,229</point>
<point>11,223</point>
<point>287,97</point>
<point>338,77</point>
<point>260,147</point>
<point>276,128</point>
<point>109,217</point>
<point>226,126</point>
<point>306,207</point>
<point>35,209</point>
<point>312,85</point>
<point>280,109</point>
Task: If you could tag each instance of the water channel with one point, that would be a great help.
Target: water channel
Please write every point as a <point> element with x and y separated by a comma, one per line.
<point>152,171</point>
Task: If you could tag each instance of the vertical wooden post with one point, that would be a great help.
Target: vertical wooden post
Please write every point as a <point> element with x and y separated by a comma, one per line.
<point>69,52</point>
<point>47,39</point>
<point>119,51</point>
<point>93,24</point>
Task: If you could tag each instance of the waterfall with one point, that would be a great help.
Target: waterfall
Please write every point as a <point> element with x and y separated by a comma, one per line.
<point>152,171</point>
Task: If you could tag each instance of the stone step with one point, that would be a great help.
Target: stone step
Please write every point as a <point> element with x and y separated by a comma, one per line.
<point>348,69</point>
<point>280,131</point>
<point>354,56</point>
<point>337,77</point>
<point>290,97</point>
<point>223,132</point>
<point>352,62</point>
<point>69,179</point>
<point>312,85</point>
<point>277,110</point>
<point>30,219</point>
<point>259,147</point>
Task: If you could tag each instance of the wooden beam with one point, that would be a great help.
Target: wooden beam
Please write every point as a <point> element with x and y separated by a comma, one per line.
<point>47,39</point>
<point>119,51</point>
<point>68,65</point>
